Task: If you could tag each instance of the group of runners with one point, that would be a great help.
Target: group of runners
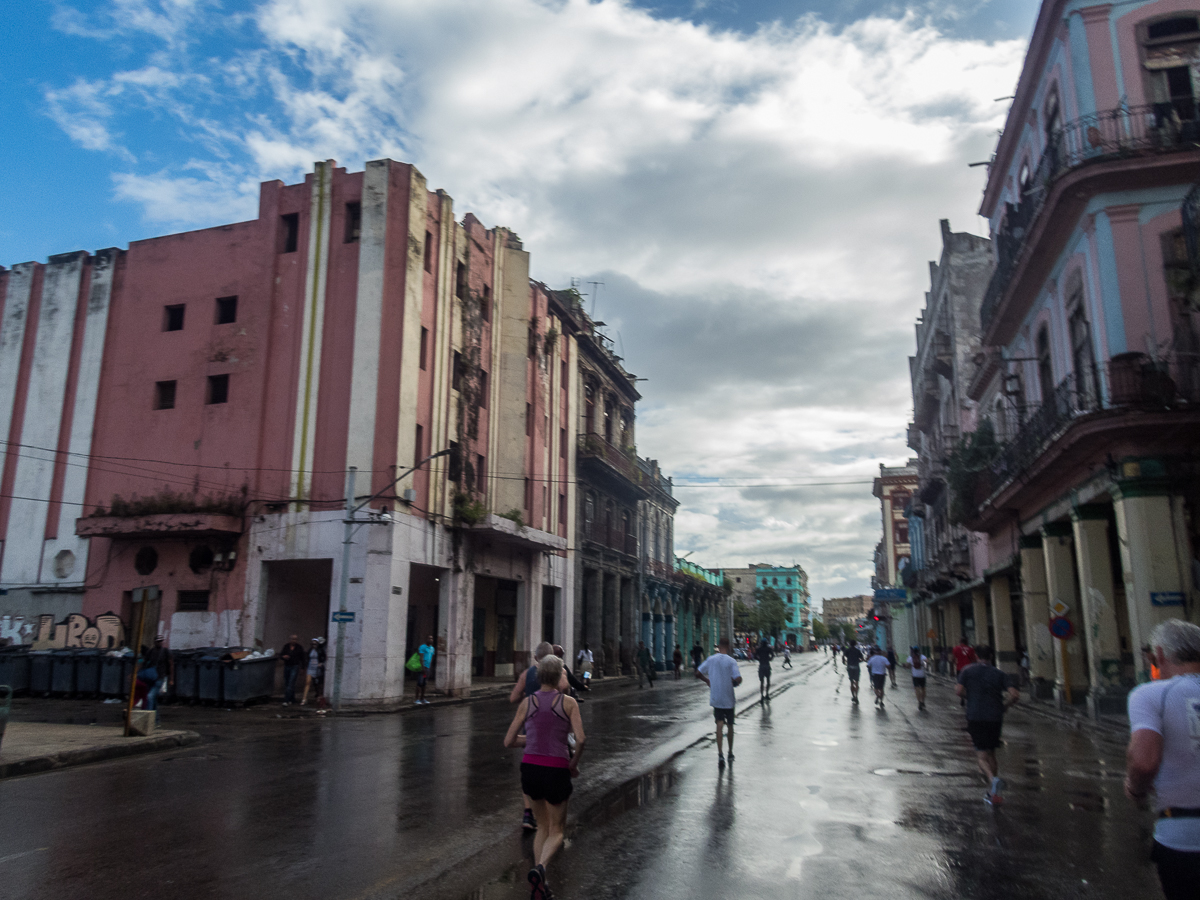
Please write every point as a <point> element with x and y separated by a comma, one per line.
<point>881,664</point>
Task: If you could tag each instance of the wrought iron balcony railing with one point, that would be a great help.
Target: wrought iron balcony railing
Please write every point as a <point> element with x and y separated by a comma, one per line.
<point>624,461</point>
<point>613,538</point>
<point>1111,134</point>
<point>1127,381</point>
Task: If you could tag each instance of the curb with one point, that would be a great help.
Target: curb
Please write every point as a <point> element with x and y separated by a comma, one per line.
<point>67,758</point>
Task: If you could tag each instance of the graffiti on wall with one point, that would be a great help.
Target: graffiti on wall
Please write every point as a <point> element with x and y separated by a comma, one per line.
<point>105,632</point>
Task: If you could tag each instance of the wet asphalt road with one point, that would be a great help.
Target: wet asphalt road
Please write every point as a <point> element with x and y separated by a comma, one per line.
<point>824,800</point>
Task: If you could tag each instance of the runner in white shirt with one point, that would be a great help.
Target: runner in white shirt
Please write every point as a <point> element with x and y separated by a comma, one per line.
<point>1164,755</point>
<point>918,665</point>
<point>720,672</point>
<point>877,665</point>
<point>584,658</point>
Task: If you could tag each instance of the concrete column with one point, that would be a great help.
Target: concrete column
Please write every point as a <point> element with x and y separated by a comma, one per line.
<point>612,623</point>
<point>1037,616</point>
<point>668,642</point>
<point>656,649</point>
<point>1154,554</point>
<point>1002,626</point>
<point>979,605</point>
<point>456,613</point>
<point>953,616</point>
<point>647,637</point>
<point>1097,601</point>
<point>592,598</point>
<point>1070,672</point>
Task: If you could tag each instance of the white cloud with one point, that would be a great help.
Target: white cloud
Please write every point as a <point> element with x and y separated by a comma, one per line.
<point>761,206</point>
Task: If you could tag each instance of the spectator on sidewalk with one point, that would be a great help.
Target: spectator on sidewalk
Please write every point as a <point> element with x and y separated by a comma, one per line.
<point>428,651</point>
<point>697,655</point>
<point>677,662</point>
<point>314,673</point>
<point>988,693</point>
<point>293,657</point>
<point>1164,755</point>
<point>586,661</point>
<point>574,683</point>
<point>964,655</point>
<point>156,672</point>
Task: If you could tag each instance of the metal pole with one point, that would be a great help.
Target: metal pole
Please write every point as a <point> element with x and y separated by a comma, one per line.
<point>347,539</point>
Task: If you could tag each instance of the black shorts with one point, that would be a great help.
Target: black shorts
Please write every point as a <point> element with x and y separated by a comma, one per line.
<point>919,682</point>
<point>853,672</point>
<point>1178,871</point>
<point>878,681</point>
<point>723,715</point>
<point>764,673</point>
<point>548,783</point>
<point>985,735</point>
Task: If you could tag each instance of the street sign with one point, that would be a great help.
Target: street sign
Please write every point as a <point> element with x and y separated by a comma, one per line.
<point>1166,598</point>
<point>1059,608</point>
<point>1062,628</point>
<point>891,595</point>
<point>343,616</point>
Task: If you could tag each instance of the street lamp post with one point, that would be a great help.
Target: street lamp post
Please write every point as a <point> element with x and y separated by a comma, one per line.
<point>341,616</point>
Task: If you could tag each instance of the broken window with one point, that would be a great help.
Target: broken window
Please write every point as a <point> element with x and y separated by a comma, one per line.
<point>1171,58</point>
<point>193,601</point>
<point>218,389</point>
<point>226,310</point>
<point>428,251</point>
<point>424,346</point>
<point>289,233</point>
<point>353,223</point>
<point>164,395</point>
<point>173,317</point>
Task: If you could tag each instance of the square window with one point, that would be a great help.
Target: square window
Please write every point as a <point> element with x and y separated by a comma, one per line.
<point>218,389</point>
<point>353,222</point>
<point>164,395</point>
<point>226,310</point>
<point>173,317</point>
<point>193,601</point>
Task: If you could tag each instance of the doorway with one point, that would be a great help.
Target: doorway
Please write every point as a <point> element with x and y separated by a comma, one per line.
<point>297,600</point>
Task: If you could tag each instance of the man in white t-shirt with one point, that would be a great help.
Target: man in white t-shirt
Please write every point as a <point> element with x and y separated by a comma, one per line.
<point>720,672</point>
<point>918,664</point>
<point>1164,755</point>
<point>877,665</point>
<point>584,658</point>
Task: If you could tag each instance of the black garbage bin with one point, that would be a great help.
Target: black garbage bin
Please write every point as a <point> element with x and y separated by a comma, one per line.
<point>248,679</point>
<point>187,674</point>
<point>14,668</point>
<point>62,672</point>
<point>87,672</point>
<point>208,678</point>
<point>115,672</point>
<point>40,664</point>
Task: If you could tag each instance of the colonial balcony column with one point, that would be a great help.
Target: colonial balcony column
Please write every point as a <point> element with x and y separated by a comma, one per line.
<point>647,637</point>
<point>1038,641</point>
<point>1002,626</point>
<point>1154,553</point>
<point>1070,671</point>
<point>668,641</point>
<point>656,649</point>
<point>952,611</point>
<point>456,618</point>
<point>1097,599</point>
<point>979,599</point>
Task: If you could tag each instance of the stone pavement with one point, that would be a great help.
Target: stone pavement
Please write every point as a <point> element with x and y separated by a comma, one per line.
<point>30,747</point>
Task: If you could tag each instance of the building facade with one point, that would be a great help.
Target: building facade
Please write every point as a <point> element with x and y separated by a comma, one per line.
<point>192,413</point>
<point>1089,378</point>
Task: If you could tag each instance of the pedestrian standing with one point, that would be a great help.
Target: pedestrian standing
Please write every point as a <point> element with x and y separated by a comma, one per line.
<point>548,716</point>
<point>853,658</point>
<point>1164,755</point>
<point>764,654</point>
<point>697,655</point>
<point>919,666</point>
<point>891,658</point>
<point>677,662</point>
<point>314,673</point>
<point>645,664</point>
<point>988,693</point>
<point>964,654</point>
<point>293,657</point>
<point>720,672</point>
<point>576,686</point>
<point>787,657</point>
<point>585,660</point>
<point>877,665</point>
<point>157,671</point>
<point>427,652</point>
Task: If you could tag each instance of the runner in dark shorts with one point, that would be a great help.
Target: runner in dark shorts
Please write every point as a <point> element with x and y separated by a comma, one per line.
<point>853,658</point>
<point>988,693</point>
<point>764,654</point>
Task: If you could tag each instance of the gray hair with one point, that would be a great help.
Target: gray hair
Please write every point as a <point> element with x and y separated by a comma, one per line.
<point>550,670</point>
<point>542,650</point>
<point>1178,640</point>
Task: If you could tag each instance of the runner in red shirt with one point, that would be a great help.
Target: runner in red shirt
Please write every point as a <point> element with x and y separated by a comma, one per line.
<point>964,655</point>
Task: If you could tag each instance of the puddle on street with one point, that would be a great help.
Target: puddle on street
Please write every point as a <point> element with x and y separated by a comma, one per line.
<point>631,795</point>
<point>930,773</point>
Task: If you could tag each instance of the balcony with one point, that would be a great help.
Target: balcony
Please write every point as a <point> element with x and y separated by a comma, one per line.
<point>614,462</point>
<point>1111,135</point>
<point>1128,382</point>
<point>612,538</point>
<point>661,570</point>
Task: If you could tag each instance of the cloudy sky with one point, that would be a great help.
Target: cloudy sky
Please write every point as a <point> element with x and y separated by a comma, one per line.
<point>757,183</point>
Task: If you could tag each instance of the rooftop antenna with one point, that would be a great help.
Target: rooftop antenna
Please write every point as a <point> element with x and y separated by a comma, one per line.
<point>595,290</point>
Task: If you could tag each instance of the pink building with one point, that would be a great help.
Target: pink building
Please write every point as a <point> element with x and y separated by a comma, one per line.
<point>1087,394</point>
<point>182,414</point>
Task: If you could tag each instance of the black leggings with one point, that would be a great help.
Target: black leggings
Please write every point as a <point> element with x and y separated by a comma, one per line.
<point>1179,872</point>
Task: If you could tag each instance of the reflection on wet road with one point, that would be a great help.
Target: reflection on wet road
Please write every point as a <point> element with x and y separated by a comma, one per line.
<point>834,801</point>
<point>824,800</point>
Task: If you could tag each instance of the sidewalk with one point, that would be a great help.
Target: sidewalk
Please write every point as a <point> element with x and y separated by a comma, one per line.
<point>30,747</point>
<point>1077,717</point>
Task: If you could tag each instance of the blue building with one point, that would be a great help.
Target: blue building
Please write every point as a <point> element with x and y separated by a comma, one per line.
<point>791,583</point>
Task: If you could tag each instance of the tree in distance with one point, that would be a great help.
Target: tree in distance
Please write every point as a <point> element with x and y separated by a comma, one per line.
<point>772,612</point>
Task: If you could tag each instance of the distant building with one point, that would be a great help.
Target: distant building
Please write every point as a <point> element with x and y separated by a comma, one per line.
<point>894,487</point>
<point>846,609</point>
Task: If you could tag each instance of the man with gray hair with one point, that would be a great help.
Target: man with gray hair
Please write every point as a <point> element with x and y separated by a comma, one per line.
<point>1164,755</point>
<point>526,686</point>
